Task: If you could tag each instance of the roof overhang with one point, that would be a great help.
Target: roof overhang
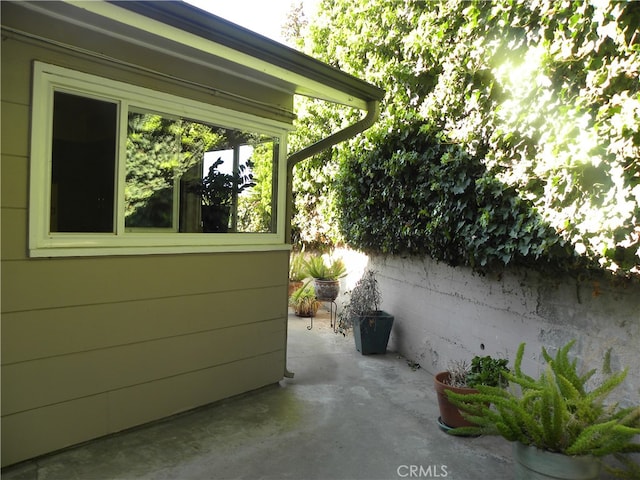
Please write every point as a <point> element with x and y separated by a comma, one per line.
<point>178,28</point>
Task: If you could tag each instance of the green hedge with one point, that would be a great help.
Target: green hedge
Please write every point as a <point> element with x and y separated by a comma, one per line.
<point>413,194</point>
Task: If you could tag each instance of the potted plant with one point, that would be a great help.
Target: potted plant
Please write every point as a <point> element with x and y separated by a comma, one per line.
<point>326,275</point>
<point>304,301</point>
<point>462,378</point>
<point>296,271</point>
<point>560,428</point>
<point>218,191</point>
<point>371,326</point>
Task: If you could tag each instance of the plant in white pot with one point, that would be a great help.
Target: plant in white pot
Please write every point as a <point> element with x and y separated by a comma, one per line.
<point>371,326</point>
<point>559,427</point>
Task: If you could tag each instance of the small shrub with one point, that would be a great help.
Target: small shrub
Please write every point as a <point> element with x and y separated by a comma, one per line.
<point>364,300</point>
<point>484,370</point>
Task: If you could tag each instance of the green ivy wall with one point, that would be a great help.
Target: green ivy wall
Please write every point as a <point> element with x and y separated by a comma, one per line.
<point>509,134</point>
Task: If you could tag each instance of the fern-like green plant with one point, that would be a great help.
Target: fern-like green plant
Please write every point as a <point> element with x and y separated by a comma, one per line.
<point>555,412</point>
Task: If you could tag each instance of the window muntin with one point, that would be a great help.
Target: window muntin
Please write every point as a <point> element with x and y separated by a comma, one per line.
<point>147,217</point>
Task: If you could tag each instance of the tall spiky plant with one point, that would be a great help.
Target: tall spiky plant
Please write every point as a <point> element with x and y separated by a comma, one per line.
<point>555,412</point>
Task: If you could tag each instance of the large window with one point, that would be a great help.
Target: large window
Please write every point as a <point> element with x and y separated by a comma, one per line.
<point>124,169</point>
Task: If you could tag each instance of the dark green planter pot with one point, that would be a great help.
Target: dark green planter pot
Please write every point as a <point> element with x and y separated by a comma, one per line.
<point>371,333</point>
<point>531,463</point>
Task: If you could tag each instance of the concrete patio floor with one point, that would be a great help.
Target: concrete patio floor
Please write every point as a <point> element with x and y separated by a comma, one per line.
<point>343,416</point>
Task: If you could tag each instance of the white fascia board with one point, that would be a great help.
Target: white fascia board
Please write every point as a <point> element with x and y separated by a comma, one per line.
<point>303,85</point>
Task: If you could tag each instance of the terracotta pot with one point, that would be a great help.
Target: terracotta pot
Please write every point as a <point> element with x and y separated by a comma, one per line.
<point>450,415</point>
<point>293,286</point>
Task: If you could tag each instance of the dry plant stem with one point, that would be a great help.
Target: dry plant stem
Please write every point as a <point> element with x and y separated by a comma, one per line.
<point>458,370</point>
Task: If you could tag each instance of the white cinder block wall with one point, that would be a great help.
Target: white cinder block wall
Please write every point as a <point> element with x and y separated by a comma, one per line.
<point>444,313</point>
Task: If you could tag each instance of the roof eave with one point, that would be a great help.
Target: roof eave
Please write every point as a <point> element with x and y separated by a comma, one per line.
<point>310,76</point>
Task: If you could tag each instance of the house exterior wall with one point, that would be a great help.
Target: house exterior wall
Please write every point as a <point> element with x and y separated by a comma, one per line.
<point>152,68</point>
<point>444,313</point>
<point>94,345</point>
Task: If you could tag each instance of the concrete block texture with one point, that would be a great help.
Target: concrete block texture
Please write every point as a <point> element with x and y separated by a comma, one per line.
<point>444,313</point>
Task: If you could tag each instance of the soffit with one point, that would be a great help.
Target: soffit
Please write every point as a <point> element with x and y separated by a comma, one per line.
<point>184,31</point>
<point>310,76</point>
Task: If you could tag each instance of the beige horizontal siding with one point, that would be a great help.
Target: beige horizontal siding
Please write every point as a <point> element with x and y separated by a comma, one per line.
<point>16,80</point>
<point>14,245</point>
<point>33,432</point>
<point>14,181</point>
<point>90,336</point>
<point>92,281</point>
<point>58,379</point>
<point>15,138</point>
<point>43,430</point>
<point>80,329</point>
<point>176,394</point>
<point>92,346</point>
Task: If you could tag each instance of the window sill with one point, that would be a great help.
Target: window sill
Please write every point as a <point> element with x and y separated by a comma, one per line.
<point>99,251</point>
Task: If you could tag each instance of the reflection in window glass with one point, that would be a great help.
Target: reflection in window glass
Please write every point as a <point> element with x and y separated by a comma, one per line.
<point>186,176</point>
<point>153,155</point>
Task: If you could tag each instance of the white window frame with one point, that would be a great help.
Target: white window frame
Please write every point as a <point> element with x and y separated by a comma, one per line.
<point>43,243</point>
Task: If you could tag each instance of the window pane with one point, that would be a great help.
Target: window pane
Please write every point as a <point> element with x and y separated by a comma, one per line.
<point>237,186</point>
<point>256,206</point>
<point>83,157</point>
<point>153,158</point>
<point>187,176</point>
